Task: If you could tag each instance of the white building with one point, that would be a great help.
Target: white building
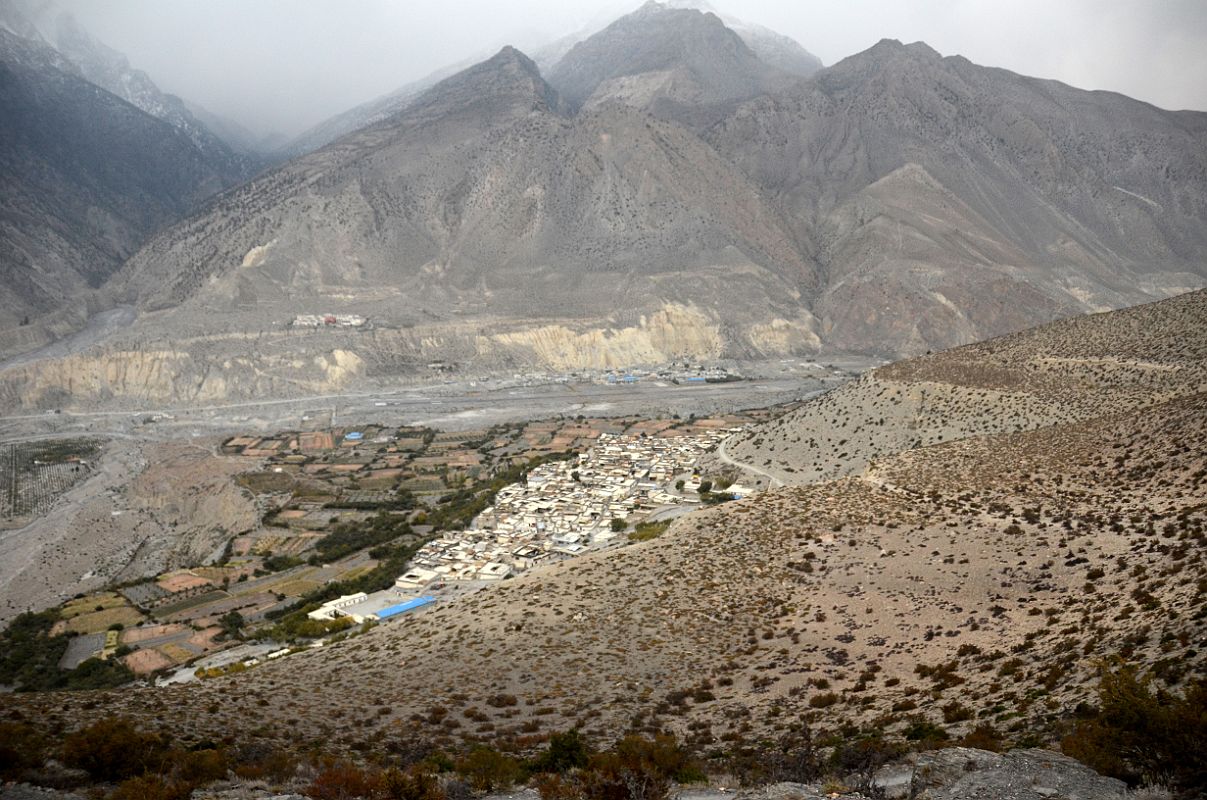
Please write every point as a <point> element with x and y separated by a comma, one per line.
<point>331,609</point>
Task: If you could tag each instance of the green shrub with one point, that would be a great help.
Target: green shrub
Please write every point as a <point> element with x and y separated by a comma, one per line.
<point>488,770</point>
<point>566,751</point>
<point>926,732</point>
<point>1144,736</point>
<point>645,531</point>
<point>113,749</point>
<point>823,700</point>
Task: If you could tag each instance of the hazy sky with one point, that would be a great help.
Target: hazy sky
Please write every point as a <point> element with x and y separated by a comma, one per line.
<point>285,65</point>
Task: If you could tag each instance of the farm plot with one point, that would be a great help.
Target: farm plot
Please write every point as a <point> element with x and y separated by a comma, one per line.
<point>98,621</point>
<point>33,475</point>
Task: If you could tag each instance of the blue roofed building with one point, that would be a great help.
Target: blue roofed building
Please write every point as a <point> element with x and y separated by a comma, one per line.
<point>402,608</point>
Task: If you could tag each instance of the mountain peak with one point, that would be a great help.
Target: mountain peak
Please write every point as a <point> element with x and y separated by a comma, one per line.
<point>507,81</point>
<point>510,54</point>
<point>661,55</point>
<point>894,47</point>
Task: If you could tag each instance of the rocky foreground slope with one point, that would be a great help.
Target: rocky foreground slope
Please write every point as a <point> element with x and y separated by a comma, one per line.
<point>950,585</point>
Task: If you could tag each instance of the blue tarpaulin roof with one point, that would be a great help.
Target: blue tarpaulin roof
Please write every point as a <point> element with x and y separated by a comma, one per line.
<point>402,608</point>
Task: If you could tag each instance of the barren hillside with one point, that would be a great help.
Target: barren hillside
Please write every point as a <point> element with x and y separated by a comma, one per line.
<point>1071,370</point>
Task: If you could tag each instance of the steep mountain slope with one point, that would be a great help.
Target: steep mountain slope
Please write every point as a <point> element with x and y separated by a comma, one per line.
<point>366,114</point>
<point>680,64</point>
<point>600,240</point>
<point>951,202</point>
<point>774,48</point>
<point>84,178</point>
<point>895,203</point>
<point>961,584</point>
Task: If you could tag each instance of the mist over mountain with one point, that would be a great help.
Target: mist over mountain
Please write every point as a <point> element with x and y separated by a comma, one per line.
<point>111,70</point>
<point>96,158</point>
<point>771,48</point>
<point>86,177</point>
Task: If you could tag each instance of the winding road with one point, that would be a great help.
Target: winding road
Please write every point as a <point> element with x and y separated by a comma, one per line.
<point>772,480</point>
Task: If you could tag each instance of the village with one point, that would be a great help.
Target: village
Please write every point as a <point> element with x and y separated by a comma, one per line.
<point>360,525</point>
<point>564,508</point>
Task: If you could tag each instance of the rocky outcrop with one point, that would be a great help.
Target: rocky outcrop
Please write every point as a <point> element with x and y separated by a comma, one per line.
<point>165,378</point>
<point>961,773</point>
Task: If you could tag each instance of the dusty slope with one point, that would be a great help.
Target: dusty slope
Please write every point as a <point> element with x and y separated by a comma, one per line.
<point>149,508</point>
<point>1066,371</point>
<point>1002,565</point>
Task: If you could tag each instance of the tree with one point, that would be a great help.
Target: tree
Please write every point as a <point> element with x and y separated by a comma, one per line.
<point>232,624</point>
<point>705,487</point>
<point>618,524</point>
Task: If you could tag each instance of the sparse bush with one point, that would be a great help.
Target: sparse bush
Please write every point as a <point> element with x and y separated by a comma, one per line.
<point>342,780</point>
<point>410,784</point>
<point>983,737</point>
<point>927,732</point>
<point>823,700</point>
<point>151,787</point>
<point>21,748</point>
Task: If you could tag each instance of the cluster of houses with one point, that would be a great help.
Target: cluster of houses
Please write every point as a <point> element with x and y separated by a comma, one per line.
<point>328,321</point>
<point>564,507</point>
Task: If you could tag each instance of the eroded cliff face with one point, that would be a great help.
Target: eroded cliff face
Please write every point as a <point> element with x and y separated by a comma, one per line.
<point>162,377</point>
<point>148,508</point>
<point>205,370</point>
<point>672,332</point>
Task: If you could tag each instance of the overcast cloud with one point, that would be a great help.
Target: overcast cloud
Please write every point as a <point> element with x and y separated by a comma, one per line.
<point>284,65</point>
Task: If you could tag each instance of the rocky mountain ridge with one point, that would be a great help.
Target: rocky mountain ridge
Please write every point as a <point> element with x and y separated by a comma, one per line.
<point>112,71</point>
<point>896,202</point>
<point>774,49</point>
